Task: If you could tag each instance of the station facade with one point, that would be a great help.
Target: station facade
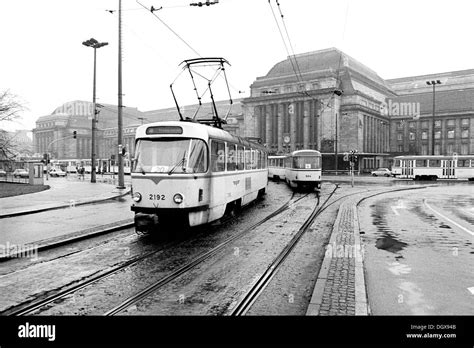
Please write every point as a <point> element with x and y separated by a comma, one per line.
<point>294,106</point>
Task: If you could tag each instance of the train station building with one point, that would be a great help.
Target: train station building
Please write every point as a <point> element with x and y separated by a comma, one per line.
<point>294,106</point>
<point>323,100</point>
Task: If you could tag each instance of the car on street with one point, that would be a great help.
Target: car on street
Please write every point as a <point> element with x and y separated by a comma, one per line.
<point>57,172</point>
<point>20,173</point>
<point>3,173</point>
<point>381,172</point>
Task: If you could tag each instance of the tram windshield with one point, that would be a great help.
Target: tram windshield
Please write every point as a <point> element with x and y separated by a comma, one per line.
<point>168,155</point>
<point>306,162</point>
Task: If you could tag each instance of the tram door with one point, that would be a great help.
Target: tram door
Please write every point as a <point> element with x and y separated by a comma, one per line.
<point>448,169</point>
<point>407,168</point>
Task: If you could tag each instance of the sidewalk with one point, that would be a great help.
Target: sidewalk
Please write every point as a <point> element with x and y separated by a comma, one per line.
<point>340,287</point>
<point>64,192</point>
<point>31,220</point>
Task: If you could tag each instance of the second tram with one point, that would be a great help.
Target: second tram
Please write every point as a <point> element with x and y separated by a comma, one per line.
<point>303,169</point>
<point>434,167</point>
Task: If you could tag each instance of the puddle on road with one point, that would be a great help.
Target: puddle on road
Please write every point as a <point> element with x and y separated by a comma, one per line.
<point>388,240</point>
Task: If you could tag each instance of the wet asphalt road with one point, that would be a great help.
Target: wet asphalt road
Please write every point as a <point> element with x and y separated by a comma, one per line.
<point>419,252</point>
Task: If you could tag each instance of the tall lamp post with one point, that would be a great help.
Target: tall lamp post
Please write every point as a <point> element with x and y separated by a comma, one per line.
<point>337,92</point>
<point>95,45</point>
<point>433,83</point>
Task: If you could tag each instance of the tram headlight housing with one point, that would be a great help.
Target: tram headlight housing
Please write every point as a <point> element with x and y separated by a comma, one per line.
<point>137,197</point>
<point>178,198</point>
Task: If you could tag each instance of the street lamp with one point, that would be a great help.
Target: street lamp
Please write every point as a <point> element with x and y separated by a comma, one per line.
<point>433,83</point>
<point>95,45</point>
<point>337,92</point>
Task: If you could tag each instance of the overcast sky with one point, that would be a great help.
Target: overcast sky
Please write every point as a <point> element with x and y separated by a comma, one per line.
<point>44,62</point>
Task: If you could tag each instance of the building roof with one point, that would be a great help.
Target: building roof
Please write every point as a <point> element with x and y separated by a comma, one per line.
<point>447,101</point>
<point>323,62</point>
<point>460,79</point>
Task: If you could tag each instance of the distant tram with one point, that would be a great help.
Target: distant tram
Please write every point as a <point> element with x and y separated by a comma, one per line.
<point>434,167</point>
<point>276,167</point>
<point>303,169</point>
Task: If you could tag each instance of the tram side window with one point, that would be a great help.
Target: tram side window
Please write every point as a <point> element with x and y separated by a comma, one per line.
<point>231,158</point>
<point>463,163</point>
<point>217,156</point>
<point>253,161</point>
<point>421,163</point>
<point>248,158</point>
<point>435,163</point>
<point>240,158</point>
<point>259,159</point>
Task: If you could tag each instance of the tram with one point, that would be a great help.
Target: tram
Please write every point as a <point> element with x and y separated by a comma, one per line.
<point>303,169</point>
<point>434,167</point>
<point>192,173</point>
<point>276,167</point>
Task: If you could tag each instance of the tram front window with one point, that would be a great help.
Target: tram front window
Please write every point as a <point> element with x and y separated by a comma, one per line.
<point>166,155</point>
<point>306,162</point>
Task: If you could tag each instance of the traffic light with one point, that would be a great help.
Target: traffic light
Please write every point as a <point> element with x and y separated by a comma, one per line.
<point>74,134</point>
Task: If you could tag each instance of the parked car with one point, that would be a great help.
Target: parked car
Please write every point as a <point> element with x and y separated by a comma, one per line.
<point>57,172</point>
<point>381,172</point>
<point>3,173</point>
<point>21,173</point>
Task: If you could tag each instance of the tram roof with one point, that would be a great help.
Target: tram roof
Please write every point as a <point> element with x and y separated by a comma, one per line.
<point>441,157</point>
<point>195,130</point>
<point>305,153</point>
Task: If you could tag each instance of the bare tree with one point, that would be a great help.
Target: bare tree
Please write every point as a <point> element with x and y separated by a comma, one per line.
<point>10,109</point>
<point>10,106</point>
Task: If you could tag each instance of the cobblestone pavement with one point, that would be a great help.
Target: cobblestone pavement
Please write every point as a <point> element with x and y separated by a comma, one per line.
<point>340,288</point>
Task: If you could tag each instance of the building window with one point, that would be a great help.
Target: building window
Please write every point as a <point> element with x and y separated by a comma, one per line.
<point>411,124</point>
<point>424,135</point>
<point>450,149</point>
<point>465,122</point>
<point>438,124</point>
<point>437,150</point>
<point>464,149</point>
<point>437,135</point>
<point>424,150</point>
<point>399,136</point>
<point>465,133</point>
<point>400,148</point>
<point>400,125</point>
<point>424,124</point>
<point>450,123</point>
<point>412,136</point>
<point>451,134</point>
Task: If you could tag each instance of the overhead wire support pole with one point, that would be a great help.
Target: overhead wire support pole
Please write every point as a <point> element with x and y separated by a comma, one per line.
<point>121,180</point>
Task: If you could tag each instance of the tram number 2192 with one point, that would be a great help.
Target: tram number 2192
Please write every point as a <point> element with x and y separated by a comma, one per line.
<point>154,197</point>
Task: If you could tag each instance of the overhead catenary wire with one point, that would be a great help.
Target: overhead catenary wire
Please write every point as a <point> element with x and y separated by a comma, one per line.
<point>170,29</point>
<point>292,56</point>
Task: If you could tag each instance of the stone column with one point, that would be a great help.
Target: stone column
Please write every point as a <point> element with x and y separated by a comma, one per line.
<point>269,126</point>
<point>292,115</point>
<point>306,125</point>
<point>256,119</point>
<point>280,127</point>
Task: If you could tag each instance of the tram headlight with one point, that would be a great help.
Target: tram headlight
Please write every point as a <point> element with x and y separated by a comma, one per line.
<point>178,198</point>
<point>137,197</point>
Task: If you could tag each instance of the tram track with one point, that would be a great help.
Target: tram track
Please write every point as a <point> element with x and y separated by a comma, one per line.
<point>36,305</point>
<point>197,261</point>
<point>246,301</point>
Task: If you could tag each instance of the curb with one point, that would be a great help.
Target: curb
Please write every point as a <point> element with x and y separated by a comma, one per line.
<point>61,206</point>
<point>80,235</point>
